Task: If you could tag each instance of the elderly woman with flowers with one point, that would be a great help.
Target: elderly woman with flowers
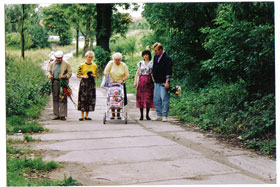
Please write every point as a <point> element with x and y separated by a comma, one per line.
<point>118,73</point>
<point>87,91</point>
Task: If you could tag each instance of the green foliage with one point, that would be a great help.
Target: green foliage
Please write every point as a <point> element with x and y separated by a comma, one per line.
<point>120,23</point>
<point>223,56</point>
<point>39,36</point>
<point>242,44</point>
<point>69,182</point>
<point>13,40</point>
<point>225,109</point>
<point>25,85</point>
<point>101,56</point>
<point>17,167</point>
<point>65,38</point>
<point>27,138</point>
<point>147,40</point>
<point>28,23</point>
<point>27,127</point>
<point>10,17</point>
<point>11,150</point>
<point>132,67</point>
<point>124,45</point>
<point>267,147</point>
<point>176,26</point>
<point>139,24</point>
<point>55,19</point>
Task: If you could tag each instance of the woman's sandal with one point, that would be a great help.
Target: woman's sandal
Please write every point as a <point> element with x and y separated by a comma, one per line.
<point>81,119</point>
<point>88,119</point>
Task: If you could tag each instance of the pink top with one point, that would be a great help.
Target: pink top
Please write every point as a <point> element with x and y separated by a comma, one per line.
<point>160,56</point>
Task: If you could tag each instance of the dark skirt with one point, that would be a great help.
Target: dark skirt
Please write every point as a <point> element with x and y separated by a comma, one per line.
<point>87,95</point>
<point>145,92</point>
<point>125,94</point>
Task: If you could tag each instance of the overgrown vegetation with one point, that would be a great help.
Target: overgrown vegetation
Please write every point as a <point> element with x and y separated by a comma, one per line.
<point>24,171</point>
<point>223,56</point>
<point>26,89</point>
<point>26,94</point>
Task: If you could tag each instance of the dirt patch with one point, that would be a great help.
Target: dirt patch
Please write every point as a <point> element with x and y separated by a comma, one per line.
<point>230,140</point>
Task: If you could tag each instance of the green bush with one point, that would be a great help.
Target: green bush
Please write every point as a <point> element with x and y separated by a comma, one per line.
<point>124,45</point>
<point>13,40</point>
<point>40,36</point>
<point>28,127</point>
<point>226,110</point>
<point>65,38</point>
<point>16,167</point>
<point>102,57</point>
<point>25,85</point>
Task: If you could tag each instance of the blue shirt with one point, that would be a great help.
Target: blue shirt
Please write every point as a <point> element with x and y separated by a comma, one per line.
<point>56,71</point>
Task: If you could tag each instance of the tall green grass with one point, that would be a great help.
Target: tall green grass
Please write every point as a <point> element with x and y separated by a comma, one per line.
<point>27,89</point>
<point>26,93</point>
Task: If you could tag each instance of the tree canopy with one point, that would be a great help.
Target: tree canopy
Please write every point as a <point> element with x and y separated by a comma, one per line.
<point>210,41</point>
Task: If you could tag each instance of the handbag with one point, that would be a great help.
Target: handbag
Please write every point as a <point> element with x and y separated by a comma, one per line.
<point>137,81</point>
<point>105,81</point>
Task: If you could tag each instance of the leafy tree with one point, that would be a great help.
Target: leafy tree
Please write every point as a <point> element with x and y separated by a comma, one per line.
<point>11,15</point>
<point>34,34</point>
<point>242,44</point>
<point>140,24</point>
<point>82,18</point>
<point>39,36</point>
<point>104,21</point>
<point>176,26</point>
<point>109,22</point>
<point>55,20</point>
<point>20,14</point>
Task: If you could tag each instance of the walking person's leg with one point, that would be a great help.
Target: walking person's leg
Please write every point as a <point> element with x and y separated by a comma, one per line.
<point>147,114</point>
<point>91,97</point>
<point>113,113</point>
<point>157,100</point>
<point>141,114</point>
<point>63,108</point>
<point>87,118</point>
<point>119,113</point>
<point>82,94</point>
<point>165,101</point>
<point>82,116</point>
<point>55,95</point>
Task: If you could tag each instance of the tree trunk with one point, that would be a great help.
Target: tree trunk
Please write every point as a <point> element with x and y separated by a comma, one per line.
<point>77,43</point>
<point>91,39</point>
<point>103,30</point>
<point>86,44</point>
<point>87,36</point>
<point>22,32</point>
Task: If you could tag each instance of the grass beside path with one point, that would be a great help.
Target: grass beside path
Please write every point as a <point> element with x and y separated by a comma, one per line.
<point>27,89</point>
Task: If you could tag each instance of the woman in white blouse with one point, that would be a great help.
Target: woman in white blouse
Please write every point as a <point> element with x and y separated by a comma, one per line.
<point>144,84</point>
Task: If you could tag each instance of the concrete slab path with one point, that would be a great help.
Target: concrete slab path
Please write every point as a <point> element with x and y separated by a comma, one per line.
<point>143,152</point>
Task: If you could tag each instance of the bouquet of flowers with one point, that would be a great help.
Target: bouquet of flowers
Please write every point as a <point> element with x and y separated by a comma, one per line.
<point>175,90</point>
<point>65,91</point>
